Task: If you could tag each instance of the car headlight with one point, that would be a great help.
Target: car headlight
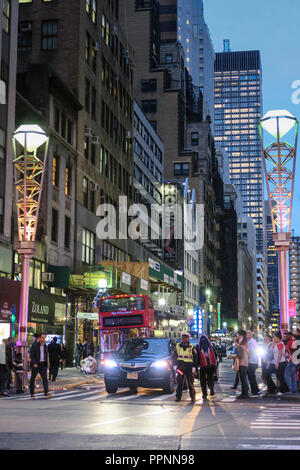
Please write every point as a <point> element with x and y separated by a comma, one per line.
<point>110,363</point>
<point>160,364</point>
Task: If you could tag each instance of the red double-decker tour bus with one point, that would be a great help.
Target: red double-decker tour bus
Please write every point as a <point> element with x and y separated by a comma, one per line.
<point>122,316</point>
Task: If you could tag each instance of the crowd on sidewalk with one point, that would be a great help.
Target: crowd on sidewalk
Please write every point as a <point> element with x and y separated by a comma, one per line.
<point>278,356</point>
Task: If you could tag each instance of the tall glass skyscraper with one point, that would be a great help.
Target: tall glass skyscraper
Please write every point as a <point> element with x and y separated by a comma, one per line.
<point>194,36</point>
<point>238,109</point>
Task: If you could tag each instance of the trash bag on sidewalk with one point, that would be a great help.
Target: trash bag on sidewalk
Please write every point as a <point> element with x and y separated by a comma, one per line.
<point>88,365</point>
<point>290,377</point>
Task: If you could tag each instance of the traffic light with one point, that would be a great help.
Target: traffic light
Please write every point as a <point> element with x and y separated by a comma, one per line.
<point>13,320</point>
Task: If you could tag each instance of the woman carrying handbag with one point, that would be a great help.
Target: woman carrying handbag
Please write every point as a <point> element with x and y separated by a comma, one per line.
<point>241,361</point>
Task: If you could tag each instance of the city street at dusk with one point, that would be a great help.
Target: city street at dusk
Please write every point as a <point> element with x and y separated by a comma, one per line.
<point>149,228</point>
<point>88,418</point>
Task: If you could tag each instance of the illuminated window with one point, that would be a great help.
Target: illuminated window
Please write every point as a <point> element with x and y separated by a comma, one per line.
<point>94,11</point>
<point>87,46</point>
<point>55,171</point>
<point>5,15</point>
<point>88,247</point>
<point>68,181</point>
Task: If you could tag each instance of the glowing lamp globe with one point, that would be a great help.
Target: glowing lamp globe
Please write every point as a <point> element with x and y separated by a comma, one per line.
<point>34,135</point>
<point>102,283</point>
<point>286,122</point>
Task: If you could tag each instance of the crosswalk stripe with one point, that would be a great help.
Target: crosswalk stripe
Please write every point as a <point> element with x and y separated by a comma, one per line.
<point>95,397</point>
<point>271,423</point>
<point>75,396</point>
<point>37,395</point>
<point>274,427</point>
<point>270,446</point>
<point>129,397</point>
<point>162,397</point>
<point>228,400</point>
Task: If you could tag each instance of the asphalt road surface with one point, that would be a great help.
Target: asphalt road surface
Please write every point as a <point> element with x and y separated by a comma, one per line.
<point>89,418</point>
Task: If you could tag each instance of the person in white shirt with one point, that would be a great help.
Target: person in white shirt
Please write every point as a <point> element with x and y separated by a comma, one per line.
<point>253,363</point>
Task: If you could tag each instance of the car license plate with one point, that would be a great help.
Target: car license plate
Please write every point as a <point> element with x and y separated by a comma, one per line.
<point>133,376</point>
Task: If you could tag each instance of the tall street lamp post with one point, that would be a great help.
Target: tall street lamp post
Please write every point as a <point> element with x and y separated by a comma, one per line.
<point>29,172</point>
<point>208,294</point>
<point>279,164</point>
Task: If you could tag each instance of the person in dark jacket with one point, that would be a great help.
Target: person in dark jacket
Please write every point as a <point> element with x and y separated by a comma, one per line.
<point>39,364</point>
<point>84,350</point>
<point>54,358</point>
<point>63,354</point>
<point>91,349</point>
<point>208,363</point>
<point>185,360</point>
<point>78,353</point>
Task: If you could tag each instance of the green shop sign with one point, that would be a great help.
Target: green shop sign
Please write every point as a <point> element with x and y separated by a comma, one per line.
<point>165,274</point>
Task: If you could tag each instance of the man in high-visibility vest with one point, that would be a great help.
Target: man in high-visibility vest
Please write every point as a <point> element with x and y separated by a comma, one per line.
<point>186,363</point>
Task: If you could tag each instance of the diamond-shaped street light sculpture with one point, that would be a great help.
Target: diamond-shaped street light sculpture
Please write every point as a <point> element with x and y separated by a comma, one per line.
<point>29,171</point>
<point>279,164</point>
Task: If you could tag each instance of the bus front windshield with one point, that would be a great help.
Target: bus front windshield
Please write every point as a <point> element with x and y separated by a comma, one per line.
<point>122,304</point>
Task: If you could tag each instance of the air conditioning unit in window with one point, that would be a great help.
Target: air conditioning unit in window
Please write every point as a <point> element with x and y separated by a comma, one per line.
<point>96,140</point>
<point>88,131</point>
<point>96,47</point>
<point>94,186</point>
<point>25,27</point>
<point>47,277</point>
<point>128,135</point>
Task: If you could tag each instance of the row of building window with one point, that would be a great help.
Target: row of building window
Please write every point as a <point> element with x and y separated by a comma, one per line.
<point>88,193</point>
<point>91,9</point>
<point>147,160</point>
<point>112,82</point>
<point>56,173</point>
<point>49,35</point>
<point>109,35</point>
<point>110,123</point>
<point>139,126</point>
<point>37,267</point>
<point>147,184</point>
<point>63,125</point>
<point>113,171</point>
<point>55,229</point>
